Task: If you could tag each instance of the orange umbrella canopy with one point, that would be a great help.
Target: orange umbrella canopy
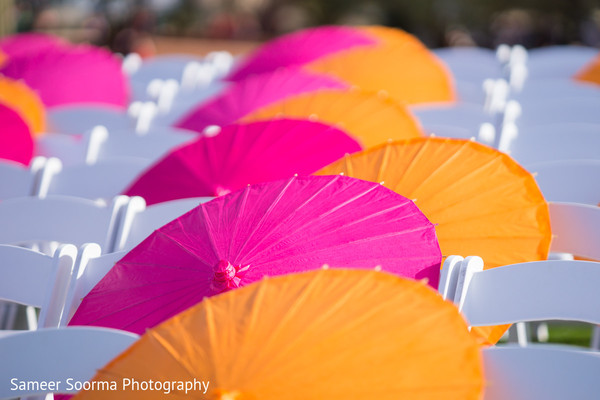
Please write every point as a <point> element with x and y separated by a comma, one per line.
<point>400,66</point>
<point>369,118</point>
<point>590,72</point>
<point>21,98</point>
<point>482,202</point>
<point>325,334</point>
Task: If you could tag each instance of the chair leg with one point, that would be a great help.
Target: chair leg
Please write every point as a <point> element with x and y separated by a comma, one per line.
<point>519,333</point>
<point>595,345</point>
<point>32,318</point>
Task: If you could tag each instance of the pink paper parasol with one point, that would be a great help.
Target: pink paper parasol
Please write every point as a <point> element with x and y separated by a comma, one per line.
<point>268,229</point>
<point>299,48</point>
<point>249,95</point>
<point>67,75</point>
<point>16,142</point>
<point>31,42</point>
<point>240,155</point>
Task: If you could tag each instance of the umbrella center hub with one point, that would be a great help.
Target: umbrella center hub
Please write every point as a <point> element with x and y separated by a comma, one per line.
<point>227,275</point>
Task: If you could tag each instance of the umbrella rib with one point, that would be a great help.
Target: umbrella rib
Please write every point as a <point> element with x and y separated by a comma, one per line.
<point>339,227</point>
<point>312,198</point>
<point>440,167</point>
<point>272,206</point>
<point>181,245</point>
<point>479,193</point>
<point>470,174</point>
<point>353,242</point>
<point>146,300</point>
<point>190,296</point>
<point>237,220</point>
<point>494,212</point>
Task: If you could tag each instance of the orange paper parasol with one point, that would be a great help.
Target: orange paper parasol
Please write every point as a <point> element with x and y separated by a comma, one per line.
<point>325,334</point>
<point>590,72</point>
<point>369,118</point>
<point>400,65</point>
<point>482,202</point>
<point>20,97</point>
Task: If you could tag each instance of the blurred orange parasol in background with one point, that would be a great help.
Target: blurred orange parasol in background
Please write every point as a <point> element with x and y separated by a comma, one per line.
<point>20,97</point>
<point>369,118</point>
<point>590,72</point>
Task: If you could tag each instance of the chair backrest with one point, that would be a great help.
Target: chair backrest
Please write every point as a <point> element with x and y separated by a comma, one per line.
<point>557,110</point>
<point>532,291</point>
<point>35,279</point>
<point>569,141</point>
<point>69,355</point>
<point>62,219</point>
<point>540,372</point>
<point>102,180</point>
<point>465,115</point>
<point>141,221</point>
<point>575,229</point>
<point>17,180</point>
<point>90,268</point>
<point>150,146</point>
<point>573,181</point>
<point>77,120</point>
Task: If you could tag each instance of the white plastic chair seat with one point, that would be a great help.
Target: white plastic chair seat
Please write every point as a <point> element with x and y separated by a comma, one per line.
<point>540,372</point>
<point>34,279</point>
<point>67,355</point>
<point>463,115</point>
<point>142,220</point>
<point>574,181</point>
<point>576,229</point>
<point>559,110</point>
<point>553,142</point>
<point>102,180</point>
<point>17,180</point>
<point>61,219</point>
<point>77,120</point>
<point>558,61</point>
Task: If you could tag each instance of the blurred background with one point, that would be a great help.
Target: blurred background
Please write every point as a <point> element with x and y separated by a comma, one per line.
<point>196,26</point>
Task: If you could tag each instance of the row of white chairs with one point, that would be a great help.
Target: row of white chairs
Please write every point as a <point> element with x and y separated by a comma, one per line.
<point>127,222</point>
<point>561,290</point>
<point>534,291</point>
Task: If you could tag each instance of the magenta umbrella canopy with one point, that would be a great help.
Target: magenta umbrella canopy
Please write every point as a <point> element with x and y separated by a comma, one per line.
<point>300,48</point>
<point>243,97</point>
<point>24,43</point>
<point>74,74</point>
<point>16,142</point>
<point>268,229</point>
<point>242,154</point>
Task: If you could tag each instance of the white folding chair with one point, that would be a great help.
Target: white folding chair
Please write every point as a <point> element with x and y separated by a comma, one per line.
<point>62,219</point>
<point>558,110</point>
<point>17,180</point>
<point>34,279</point>
<point>77,120</point>
<point>466,116</point>
<point>540,372</point>
<point>150,146</point>
<point>543,89</point>
<point>102,180</point>
<point>90,268</point>
<point>567,141</point>
<point>558,61</point>
<point>575,229</point>
<point>533,291</point>
<point>66,357</point>
<point>574,181</point>
<point>141,221</point>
